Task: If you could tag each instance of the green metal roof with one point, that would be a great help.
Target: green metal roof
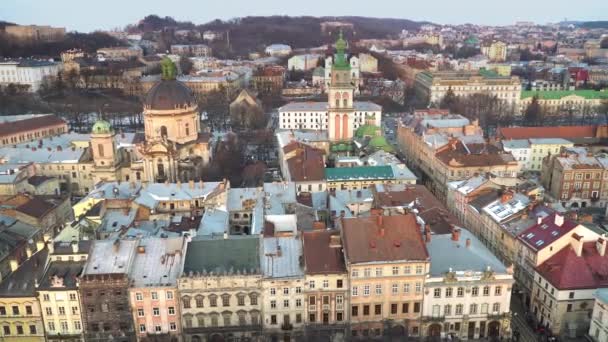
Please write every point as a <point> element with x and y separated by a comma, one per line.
<point>488,73</point>
<point>101,127</point>
<point>222,255</point>
<point>359,173</point>
<point>341,62</point>
<point>558,94</point>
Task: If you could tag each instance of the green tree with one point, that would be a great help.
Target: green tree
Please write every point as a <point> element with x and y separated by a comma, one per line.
<point>533,113</point>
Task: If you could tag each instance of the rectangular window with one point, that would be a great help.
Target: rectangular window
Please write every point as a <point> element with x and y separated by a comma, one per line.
<point>366,290</point>
<point>394,309</point>
<point>354,291</point>
<point>407,269</point>
<point>406,288</point>
<point>395,270</point>
<point>405,308</point>
<point>365,310</point>
<point>437,293</point>
<point>497,291</point>
<point>155,311</point>
<point>378,289</point>
<point>378,272</point>
<point>354,310</point>
<point>417,307</point>
<point>339,283</point>
<point>448,292</point>
<point>171,310</point>
<point>395,289</point>
<point>140,312</point>
<point>154,295</point>
<point>139,296</point>
<point>419,269</point>
<point>418,287</point>
<point>169,294</point>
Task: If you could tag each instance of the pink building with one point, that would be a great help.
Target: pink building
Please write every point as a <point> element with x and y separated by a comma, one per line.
<point>153,292</point>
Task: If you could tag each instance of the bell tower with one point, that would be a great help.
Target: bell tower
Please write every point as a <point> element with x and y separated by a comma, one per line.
<point>340,96</point>
<point>105,156</point>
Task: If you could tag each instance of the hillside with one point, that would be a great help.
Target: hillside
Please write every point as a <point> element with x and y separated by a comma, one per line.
<point>254,33</point>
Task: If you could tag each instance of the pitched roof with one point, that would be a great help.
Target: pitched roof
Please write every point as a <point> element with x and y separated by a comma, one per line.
<point>67,271</point>
<point>567,271</point>
<point>546,232</point>
<point>35,207</point>
<point>457,153</point>
<point>307,163</point>
<point>383,238</point>
<point>319,256</point>
<point>222,255</point>
<point>565,132</point>
<point>14,127</point>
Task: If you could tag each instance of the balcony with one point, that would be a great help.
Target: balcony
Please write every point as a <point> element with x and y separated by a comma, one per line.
<point>498,316</point>
<point>286,326</point>
<point>427,319</point>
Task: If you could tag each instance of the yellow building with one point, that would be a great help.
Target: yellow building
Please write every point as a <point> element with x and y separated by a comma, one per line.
<point>496,51</point>
<point>543,147</point>
<point>387,262</point>
<point>20,315</point>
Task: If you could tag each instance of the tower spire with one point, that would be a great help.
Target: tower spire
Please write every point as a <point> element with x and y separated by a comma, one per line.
<point>341,60</point>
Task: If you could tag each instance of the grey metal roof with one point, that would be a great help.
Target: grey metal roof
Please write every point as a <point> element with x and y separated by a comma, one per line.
<point>159,263</point>
<point>111,257</point>
<point>451,255</point>
<point>285,265</point>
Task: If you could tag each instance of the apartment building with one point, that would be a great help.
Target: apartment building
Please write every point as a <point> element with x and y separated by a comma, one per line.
<point>387,263</point>
<point>564,101</point>
<point>35,32</point>
<point>27,74</point>
<point>468,290</point>
<point>326,304</point>
<point>599,319</point>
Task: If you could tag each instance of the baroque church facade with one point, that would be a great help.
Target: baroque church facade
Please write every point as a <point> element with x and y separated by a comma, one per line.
<point>172,147</point>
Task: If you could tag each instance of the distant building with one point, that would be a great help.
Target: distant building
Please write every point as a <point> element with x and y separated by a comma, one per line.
<point>27,74</point>
<point>35,32</point>
<point>31,129</point>
<point>433,86</point>
<point>195,50</point>
<point>529,153</point>
<point>496,51</point>
<point>278,50</point>
<point>368,63</point>
<point>268,80</point>
<point>303,62</point>
<point>567,101</point>
<point>120,52</point>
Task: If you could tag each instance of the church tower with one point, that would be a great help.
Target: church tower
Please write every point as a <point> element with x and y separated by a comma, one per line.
<point>103,149</point>
<point>340,96</point>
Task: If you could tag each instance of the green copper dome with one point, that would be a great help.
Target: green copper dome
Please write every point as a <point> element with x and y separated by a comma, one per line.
<point>101,127</point>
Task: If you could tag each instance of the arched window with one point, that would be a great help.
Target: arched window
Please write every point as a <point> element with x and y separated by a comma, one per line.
<point>345,103</point>
<point>199,301</point>
<point>161,169</point>
<point>163,131</point>
<point>138,175</point>
<point>187,129</point>
<point>100,150</point>
<point>186,302</point>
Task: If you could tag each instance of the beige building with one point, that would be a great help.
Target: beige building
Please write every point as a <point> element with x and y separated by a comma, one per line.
<point>35,32</point>
<point>599,319</point>
<point>221,297</point>
<point>564,101</point>
<point>20,313</point>
<point>387,263</point>
<point>121,52</point>
<point>564,286</point>
<point>495,51</point>
<point>433,86</point>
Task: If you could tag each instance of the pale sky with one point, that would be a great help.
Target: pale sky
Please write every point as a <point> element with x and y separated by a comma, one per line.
<point>90,15</point>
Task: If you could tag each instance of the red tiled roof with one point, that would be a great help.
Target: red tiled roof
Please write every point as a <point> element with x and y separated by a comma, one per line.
<point>567,271</point>
<point>546,232</point>
<point>395,238</point>
<point>14,127</point>
<point>564,132</point>
<point>319,257</point>
<point>457,154</point>
<point>307,163</point>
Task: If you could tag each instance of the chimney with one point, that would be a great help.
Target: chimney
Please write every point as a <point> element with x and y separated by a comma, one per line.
<point>506,197</point>
<point>539,220</point>
<point>468,243</point>
<point>75,247</point>
<point>335,241</point>
<point>427,235</point>
<point>141,249</point>
<point>455,234</point>
<point>601,246</point>
<point>225,235</point>
<point>28,252</point>
<point>59,148</point>
<point>116,245</point>
<point>379,220</point>
<point>191,184</point>
<point>318,225</point>
<point>279,251</point>
<point>381,231</point>
<point>559,219</point>
<point>14,265</point>
<point>577,244</point>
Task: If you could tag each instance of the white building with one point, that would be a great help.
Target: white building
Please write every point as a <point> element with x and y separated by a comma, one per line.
<point>520,149</point>
<point>355,71</point>
<point>282,285</point>
<point>278,50</point>
<point>28,73</point>
<point>303,62</point>
<point>340,116</point>
<point>599,319</point>
<point>468,291</point>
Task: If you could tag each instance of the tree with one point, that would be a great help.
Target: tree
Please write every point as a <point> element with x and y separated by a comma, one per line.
<point>449,101</point>
<point>185,64</point>
<point>533,113</point>
<point>603,109</point>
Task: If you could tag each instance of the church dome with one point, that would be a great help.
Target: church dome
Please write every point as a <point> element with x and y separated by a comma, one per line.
<point>101,127</point>
<point>169,94</point>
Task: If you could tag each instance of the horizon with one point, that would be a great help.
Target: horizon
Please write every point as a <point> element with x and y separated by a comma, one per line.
<point>72,16</point>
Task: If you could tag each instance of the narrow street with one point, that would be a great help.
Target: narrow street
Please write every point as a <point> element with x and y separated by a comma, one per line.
<point>518,321</point>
